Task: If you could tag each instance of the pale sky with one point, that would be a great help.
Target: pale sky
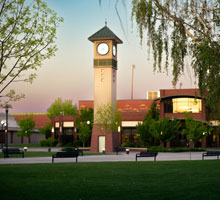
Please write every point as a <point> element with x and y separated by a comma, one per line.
<point>69,74</point>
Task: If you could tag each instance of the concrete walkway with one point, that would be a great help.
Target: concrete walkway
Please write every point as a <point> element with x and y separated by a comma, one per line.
<point>109,158</point>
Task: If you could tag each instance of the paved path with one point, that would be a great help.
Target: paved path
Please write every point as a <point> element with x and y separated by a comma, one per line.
<point>108,158</point>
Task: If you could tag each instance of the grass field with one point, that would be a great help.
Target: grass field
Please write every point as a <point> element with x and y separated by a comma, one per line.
<point>179,180</point>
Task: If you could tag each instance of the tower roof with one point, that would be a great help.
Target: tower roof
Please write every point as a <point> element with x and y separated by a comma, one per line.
<point>104,34</point>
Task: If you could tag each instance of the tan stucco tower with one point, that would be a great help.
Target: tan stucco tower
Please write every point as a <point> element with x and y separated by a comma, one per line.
<point>105,83</point>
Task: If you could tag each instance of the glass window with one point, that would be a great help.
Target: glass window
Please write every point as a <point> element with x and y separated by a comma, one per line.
<point>168,106</point>
<point>68,131</point>
<point>130,135</point>
<point>181,105</point>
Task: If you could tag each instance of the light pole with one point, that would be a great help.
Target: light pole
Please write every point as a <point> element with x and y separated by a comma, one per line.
<point>132,81</point>
<point>6,129</point>
<point>2,131</point>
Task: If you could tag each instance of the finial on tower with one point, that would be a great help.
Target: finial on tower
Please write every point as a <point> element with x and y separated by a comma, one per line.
<point>105,22</point>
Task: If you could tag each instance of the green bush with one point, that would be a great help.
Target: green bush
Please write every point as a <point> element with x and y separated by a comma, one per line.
<point>187,149</point>
<point>158,149</point>
<point>43,143</point>
<point>50,142</point>
<point>176,149</point>
<point>128,144</point>
<point>76,143</point>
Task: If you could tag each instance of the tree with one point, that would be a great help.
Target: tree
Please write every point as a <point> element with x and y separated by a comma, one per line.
<point>145,131</point>
<point>108,118</point>
<point>84,124</point>
<point>153,112</point>
<point>177,30</point>
<point>27,36</point>
<point>194,130</point>
<point>145,128</point>
<point>84,133</point>
<point>26,125</point>
<point>61,107</point>
<point>165,129</point>
<point>46,130</point>
<point>86,115</point>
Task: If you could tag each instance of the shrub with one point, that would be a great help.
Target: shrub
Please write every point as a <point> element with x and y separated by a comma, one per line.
<point>43,143</point>
<point>177,149</point>
<point>50,142</point>
<point>158,149</point>
<point>128,144</point>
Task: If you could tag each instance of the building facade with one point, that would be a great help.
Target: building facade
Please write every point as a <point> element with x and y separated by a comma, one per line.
<point>13,128</point>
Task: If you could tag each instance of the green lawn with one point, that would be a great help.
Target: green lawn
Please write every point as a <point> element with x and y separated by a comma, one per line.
<point>179,180</point>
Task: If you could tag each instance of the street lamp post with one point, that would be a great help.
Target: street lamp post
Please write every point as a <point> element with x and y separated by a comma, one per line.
<point>6,129</point>
<point>2,131</point>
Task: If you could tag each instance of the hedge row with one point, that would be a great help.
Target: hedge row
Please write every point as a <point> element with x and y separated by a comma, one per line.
<point>50,142</point>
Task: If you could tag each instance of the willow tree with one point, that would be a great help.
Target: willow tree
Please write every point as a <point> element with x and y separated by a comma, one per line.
<point>177,29</point>
<point>27,36</point>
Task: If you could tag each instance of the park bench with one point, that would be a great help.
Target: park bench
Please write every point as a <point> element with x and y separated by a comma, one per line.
<point>147,154</point>
<point>66,154</point>
<point>211,153</point>
<point>121,149</point>
<point>70,149</point>
<point>12,150</point>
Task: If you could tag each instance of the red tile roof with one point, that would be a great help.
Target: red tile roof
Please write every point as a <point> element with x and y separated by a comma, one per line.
<point>39,119</point>
<point>141,105</point>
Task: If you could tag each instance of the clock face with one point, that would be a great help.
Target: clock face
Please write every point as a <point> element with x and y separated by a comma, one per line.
<point>114,50</point>
<point>103,49</point>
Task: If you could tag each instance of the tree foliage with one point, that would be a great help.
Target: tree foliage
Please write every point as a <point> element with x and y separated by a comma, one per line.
<point>108,118</point>
<point>86,115</point>
<point>46,130</point>
<point>153,112</point>
<point>155,128</point>
<point>194,130</point>
<point>178,29</point>
<point>145,128</point>
<point>84,133</point>
<point>27,36</point>
<point>145,131</point>
<point>26,125</point>
<point>60,107</point>
<point>84,124</point>
<point>165,129</point>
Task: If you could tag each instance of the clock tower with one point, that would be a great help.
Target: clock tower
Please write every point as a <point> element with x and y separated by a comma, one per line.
<point>105,83</point>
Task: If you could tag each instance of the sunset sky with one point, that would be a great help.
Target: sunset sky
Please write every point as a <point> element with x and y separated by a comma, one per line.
<point>69,74</point>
